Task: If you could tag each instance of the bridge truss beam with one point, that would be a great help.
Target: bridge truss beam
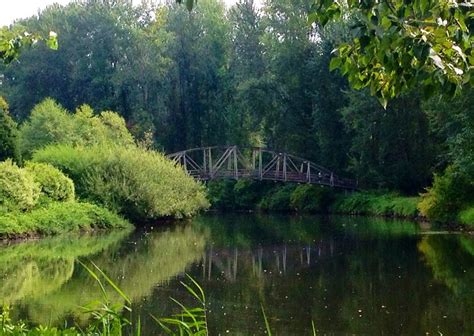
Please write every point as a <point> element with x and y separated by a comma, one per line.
<point>209,163</point>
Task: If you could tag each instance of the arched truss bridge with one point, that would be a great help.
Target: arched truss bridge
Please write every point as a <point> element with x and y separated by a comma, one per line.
<point>220,162</point>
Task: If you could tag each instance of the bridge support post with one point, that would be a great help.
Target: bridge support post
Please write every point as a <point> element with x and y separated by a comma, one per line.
<point>308,172</point>
<point>211,169</point>
<point>236,168</point>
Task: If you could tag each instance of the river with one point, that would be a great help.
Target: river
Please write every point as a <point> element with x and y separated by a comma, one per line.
<point>348,275</point>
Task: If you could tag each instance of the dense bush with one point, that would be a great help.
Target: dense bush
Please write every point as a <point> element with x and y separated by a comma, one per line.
<point>278,198</point>
<point>18,190</point>
<point>53,183</point>
<point>8,134</point>
<point>311,198</point>
<point>365,203</point>
<point>57,218</point>
<point>49,123</point>
<point>221,194</point>
<point>450,193</point>
<point>466,216</point>
<point>135,182</point>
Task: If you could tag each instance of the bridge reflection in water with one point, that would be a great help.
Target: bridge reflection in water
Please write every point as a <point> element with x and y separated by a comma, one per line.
<point>209,163</point>
<point>278,260</point>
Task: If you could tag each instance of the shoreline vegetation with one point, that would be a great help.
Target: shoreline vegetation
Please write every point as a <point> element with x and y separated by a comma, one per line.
<point>81,171</point>
<point>265,196</point>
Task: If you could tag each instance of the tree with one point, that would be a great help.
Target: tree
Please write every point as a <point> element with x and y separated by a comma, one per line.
<point>13,41</point>
<point>397,45</point>
<point>390,148</point>
<point>8,133</point>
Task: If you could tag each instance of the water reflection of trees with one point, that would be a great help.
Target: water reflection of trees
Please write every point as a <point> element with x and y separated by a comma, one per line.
<point>137,265</point>
<point>33,269</point>
<point>349,275</point>
<point>451,259</point>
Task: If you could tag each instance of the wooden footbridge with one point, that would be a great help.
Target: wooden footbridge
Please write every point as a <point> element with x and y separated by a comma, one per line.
<point>220,162</point>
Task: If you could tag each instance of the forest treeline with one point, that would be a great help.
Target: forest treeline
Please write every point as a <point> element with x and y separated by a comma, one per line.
<point>245,75</point>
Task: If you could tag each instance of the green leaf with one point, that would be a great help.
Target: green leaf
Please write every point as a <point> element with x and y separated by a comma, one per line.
<point>334,63</point>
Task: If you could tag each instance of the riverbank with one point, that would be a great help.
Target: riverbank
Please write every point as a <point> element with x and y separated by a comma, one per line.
<point>56,218</point>
<point>304,198</point>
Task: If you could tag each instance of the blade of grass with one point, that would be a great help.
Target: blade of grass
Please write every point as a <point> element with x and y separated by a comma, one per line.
<point>267,325</point>
<point>114,286</point>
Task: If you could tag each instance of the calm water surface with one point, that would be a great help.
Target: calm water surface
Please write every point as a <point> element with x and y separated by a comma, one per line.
<point>354,276</point>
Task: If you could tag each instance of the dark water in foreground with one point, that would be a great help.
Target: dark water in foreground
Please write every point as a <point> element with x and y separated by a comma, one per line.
<point>349,275</point>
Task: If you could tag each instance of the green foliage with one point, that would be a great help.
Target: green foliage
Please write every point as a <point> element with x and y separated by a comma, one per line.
<point>138,183</point>
<point>18,189</point>
<point>8,134</point>
<point>221,194</point>
<point>383,155</point>
<point>49,123</point>
<point>466,216</point>
<point>310,198</point>
<point>53,183</point>
<point>278,198</point>
<point>55,218</point>
<point>365,203</point>
<point>397,46</point>
<point>14,40</point>
<point>450,193</point>
<point>190,321</point>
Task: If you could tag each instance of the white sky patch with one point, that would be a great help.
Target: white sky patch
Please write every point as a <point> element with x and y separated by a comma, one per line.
<point>11,10</point>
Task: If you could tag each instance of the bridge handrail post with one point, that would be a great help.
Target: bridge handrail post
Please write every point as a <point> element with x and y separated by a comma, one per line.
<point>236,171</point>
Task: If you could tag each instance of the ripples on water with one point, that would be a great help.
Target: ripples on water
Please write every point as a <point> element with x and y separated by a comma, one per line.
<point>348,275</point>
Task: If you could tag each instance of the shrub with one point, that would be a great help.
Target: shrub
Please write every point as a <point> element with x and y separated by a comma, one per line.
<point>135,182</point>
<point>451,192</point>
<point>466,216</point>
<point>311,198</point>
<point>221,194</point>
<point>366,203</point>
<point>278,198</point>
<point>18,190</point>
<point>49,123</point>
<point>58,217</point>
<point>54,184</point>
<point>248,193</point>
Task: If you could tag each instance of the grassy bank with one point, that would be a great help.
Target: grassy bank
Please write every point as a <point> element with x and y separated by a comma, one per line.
<point>56,218</point>
<point>373,204</point>
<point>304,198</point>
<point>40,200</point>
